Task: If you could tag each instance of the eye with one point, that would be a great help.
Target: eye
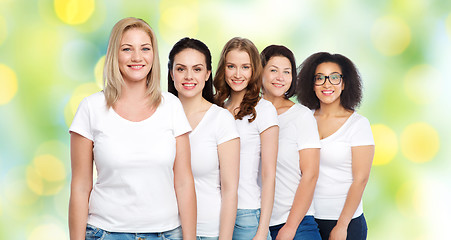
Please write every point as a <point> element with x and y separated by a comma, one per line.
<point>335,76</point>
<point>287,72</point>
<point>180,69</point>
<point>230,66</point>
<point>126,49</point>
<point>246,67</point>
<point>273,70</point>
<point>197,69</point>
<point>319,78</point>
<point>146,49</point>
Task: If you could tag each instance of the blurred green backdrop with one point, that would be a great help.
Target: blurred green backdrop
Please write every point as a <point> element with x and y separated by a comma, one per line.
<point>51,56</point>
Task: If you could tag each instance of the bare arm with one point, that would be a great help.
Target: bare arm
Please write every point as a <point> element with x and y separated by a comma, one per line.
<point>184,187</point>
<point>269,146</point>
<point>229,167</point>
<point>81,184</point>
<point>309,165</point>
<point>362,158</point>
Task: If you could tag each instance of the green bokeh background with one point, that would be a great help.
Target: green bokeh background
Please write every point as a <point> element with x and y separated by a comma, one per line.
<point>49,50</point>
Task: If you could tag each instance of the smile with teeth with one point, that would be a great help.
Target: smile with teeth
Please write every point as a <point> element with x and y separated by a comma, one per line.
<point>189,85</point>
<point>237,81</point>
<point>278,85</point>
<point>136,67</point>
<point>327,92</point>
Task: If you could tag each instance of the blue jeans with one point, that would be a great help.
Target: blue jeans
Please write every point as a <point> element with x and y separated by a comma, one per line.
<point>93,233</point>
<point>307,230</point>
<point>206,238</point>
<point>246,224</point>
<point>357,228</point>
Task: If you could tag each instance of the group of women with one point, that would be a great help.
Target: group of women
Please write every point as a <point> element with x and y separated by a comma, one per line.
<point>240,162</point>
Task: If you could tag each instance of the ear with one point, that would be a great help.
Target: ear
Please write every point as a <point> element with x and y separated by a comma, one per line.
<point>208,75</point>
<point>342,85</point>
<point>172,75</point>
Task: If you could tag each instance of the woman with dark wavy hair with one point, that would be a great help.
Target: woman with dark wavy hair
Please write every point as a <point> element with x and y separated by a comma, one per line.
<point>215,145</point>
<point>237,82</point>
<point>330,85</point>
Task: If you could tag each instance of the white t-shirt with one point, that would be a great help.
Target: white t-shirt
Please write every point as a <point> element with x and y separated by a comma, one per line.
<point>216,127</point>
<point>134,191</point>
<point>297,131</point>
<point>335,171</point>
<point>249,190</point>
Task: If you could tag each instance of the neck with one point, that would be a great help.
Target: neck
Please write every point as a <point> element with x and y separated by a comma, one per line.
<point>134,91</point>
<point>235,98</point>
<point>277,101</point>
<point>192,104</point>
<point>334,109</point>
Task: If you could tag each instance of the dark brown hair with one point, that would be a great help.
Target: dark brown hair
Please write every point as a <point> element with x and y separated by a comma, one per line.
<point>350,96</point>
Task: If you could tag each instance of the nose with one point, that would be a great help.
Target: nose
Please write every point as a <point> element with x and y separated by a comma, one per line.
<point>280,76</point>
<point>237,73</point>
<point>188,75</point>
<point>136,56</point>
<point>327,82</point>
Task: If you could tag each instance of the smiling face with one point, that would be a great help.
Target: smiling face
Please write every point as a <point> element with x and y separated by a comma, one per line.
<point>277,76</point>
<point>189,73</point>
<point>135,56</point>
<point>238,70</point>
<point>328,93</point>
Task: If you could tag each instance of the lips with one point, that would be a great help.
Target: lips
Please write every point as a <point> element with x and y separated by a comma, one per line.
<point>189,86</point>
<point>277,85</point>
<point>327,92</point>
<point>136,67</point>
<point>237,81</point>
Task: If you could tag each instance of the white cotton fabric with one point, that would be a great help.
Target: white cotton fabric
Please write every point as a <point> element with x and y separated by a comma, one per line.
<point>216,127</point>
<point>297,131</point>
<point>134,191</point>
<point>249,189</point>
<point>335,172</point>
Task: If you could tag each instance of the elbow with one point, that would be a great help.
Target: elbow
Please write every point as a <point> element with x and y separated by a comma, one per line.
<point>361,181</point>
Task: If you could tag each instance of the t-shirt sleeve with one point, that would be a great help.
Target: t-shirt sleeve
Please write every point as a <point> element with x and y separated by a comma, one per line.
<point>180,122</point>
<point>82,121</point>
<point>308,136</point>
<point>362,134</point>
<point>266,116</point>
<point>227,127</point>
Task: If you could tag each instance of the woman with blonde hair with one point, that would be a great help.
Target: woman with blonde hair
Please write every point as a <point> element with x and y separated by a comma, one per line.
<point>138,139</point>
<point>237,82</point>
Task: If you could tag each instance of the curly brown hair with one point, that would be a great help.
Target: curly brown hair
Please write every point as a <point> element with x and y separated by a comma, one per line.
<point>223,90</point>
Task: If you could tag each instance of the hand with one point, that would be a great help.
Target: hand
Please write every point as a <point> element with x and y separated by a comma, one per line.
<point>338,233</point>
<point>259,236</point>
<point>286,233</point>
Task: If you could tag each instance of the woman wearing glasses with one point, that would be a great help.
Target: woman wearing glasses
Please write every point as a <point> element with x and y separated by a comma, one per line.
<point>330,85</point>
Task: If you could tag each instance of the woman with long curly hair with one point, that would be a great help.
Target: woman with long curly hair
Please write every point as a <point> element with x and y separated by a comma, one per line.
<point>237,82</point>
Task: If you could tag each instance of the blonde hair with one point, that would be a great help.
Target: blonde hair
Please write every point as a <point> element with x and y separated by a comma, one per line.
<point>112,77</point>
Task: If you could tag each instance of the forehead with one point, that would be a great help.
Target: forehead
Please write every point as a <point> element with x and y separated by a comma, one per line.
<point>135,34</point>
<point>327,68</point>
<point>189,55</point>
<point>279,61</point>
<point>238,56</point>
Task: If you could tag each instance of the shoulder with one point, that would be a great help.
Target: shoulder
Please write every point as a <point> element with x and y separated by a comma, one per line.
<point>358,119</point>
<point>94,100</point>
<point>221,113</point>
<point>265,106</point>
<point>168,97</point>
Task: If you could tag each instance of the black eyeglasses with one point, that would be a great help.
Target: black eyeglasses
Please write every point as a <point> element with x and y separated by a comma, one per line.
<point>334,79</point>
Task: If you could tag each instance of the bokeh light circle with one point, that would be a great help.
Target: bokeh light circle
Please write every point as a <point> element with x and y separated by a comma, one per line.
<point>420,142</point>
<point>421,84</point>
<point>386,144</point>
<point>3,30</point>
<point>98,72</point>
<point>80,92</point>
<point>8,83</point>
<point>175,23</point>
<point>390,35</point>
<point>410,200</point>
<point>74,12</point>
<point>47,232</point>
<point>78,58</point>
<point>16,191</point>
<point>46,175</point>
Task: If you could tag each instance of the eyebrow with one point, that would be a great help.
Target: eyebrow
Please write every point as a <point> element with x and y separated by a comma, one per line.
<point>278,67</point>
<point>128,44</point>
<point>236,64</point>
<point>199,64</point>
